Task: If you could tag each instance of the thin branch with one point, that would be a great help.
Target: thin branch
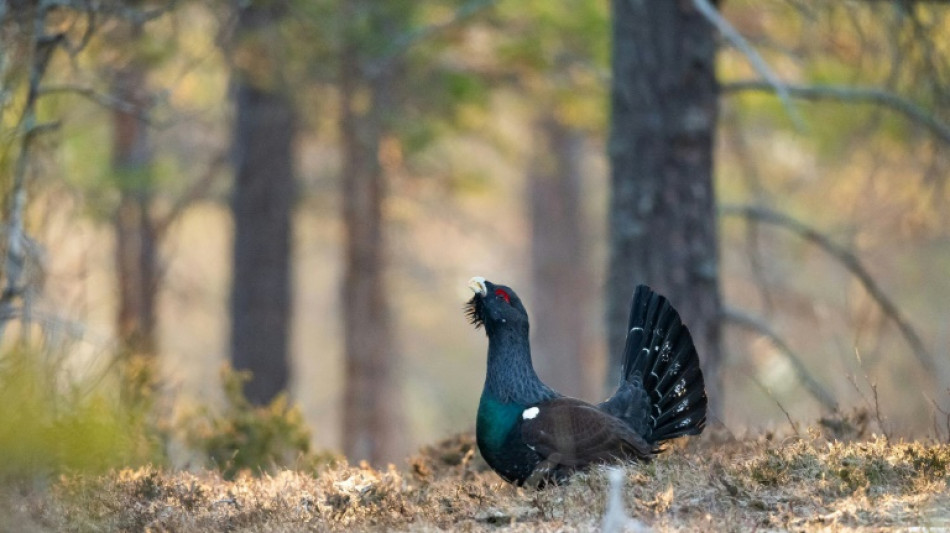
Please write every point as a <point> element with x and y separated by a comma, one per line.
<point>198,190</point>
<point>753,323</point>
<point>142,16</point>
<point>91,21</point>
<point>73,328</point>
<point>878,415</point>
<point>732,35</point>
<point>768,392</point>
<point>946,420</point>
<point>851,262</point>
<point>877,411</point>
<point>753,180</point>
<point>857,95</point>
<point>103,99</point>
<point>757,266</point>
<point>404,43</point>
<point>41,128</point>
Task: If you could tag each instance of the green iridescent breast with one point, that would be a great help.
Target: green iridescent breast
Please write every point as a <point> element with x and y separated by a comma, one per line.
<point>499,439</point>
<point>495,421</point>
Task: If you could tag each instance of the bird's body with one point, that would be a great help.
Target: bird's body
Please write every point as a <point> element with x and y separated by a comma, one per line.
<point>530,434</point>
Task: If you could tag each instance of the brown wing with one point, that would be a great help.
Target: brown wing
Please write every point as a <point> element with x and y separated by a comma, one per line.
<point>571,433</point>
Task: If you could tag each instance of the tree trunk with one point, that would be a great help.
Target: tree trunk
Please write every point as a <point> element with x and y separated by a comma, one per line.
<point>560,274</point>
<point>662,220</point>
<point>136,256</point>
<point>370,400</point>
<point>262,206</point>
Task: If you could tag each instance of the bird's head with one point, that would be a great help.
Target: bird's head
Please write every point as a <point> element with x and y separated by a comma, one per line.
<point>495,307</point>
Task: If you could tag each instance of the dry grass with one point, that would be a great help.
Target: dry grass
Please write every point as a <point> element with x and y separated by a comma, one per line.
<point>799,483</point>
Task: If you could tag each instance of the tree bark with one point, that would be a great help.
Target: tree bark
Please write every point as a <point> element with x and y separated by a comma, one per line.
<point>662,218</point>
<point>262,205</point>
<point>370,399</point>
<point>560,272</point>
<point>136,256</point>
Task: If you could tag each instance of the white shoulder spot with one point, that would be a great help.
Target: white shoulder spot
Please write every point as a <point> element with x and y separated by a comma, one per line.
<point>530,413</point>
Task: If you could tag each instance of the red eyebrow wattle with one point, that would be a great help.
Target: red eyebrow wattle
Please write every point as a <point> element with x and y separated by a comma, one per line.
<point>503,294</point>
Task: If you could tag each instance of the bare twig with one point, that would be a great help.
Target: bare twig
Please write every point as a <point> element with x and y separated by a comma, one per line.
<point>753,180</point>
<point>105,100</point>
<point>732,35</point>
<point>90,11</point>
<point>198,189</point>
<point>855,95</point>
<point>768,392</point>
<point>141,16</point>
<point>72,328</point>
<point>878,415</point>
<point>754,253</point>
<point>857,388</point>
<point>877,411</point>
<point>817,390</point>
<point>946,420</point>
<point>404,43</point>
<point>851,262</point>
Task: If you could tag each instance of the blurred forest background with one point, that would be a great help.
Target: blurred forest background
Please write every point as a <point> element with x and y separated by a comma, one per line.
<point>302,188</point>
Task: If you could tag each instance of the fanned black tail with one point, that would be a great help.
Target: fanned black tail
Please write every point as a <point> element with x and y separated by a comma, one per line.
<point>662,395</point>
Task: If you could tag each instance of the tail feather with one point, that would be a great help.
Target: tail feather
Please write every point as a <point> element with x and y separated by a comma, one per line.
<point>690,380</point>
<point>661,361</point>
<point>690,422</point>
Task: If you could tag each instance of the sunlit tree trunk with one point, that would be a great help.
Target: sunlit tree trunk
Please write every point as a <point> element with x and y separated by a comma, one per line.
<point>560,273</point>
<point>370,400</point>
<point>262,204</point>
<point>136,255</point>
<point>662,219</point>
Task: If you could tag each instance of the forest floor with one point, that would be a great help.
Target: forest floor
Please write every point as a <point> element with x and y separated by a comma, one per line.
<point>805,482</point>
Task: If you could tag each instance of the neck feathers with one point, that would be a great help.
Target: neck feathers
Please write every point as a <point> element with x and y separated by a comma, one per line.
<point>511,376</point>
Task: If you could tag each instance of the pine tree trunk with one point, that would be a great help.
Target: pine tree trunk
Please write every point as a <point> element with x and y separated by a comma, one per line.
<point>560,272</point>
<point>262,206</point>
<point>136,259</point>
<point>370,399</point>
<point>662,219</point>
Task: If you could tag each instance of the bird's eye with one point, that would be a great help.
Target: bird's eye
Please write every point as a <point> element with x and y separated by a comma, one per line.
<point>503,295</point>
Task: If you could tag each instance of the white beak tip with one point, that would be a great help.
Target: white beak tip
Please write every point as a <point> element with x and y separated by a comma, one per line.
<point>477,284</point>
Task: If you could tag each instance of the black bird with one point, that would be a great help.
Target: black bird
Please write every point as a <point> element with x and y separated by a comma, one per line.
<point>532,435</point>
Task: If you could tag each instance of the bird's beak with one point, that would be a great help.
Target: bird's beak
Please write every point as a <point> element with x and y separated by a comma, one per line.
<point>477,284</point>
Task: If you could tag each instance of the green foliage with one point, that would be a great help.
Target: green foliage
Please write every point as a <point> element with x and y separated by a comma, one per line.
<point>50,425</point>
<point>560,53</point>
<point>47,426</point>
<point>434,85</point>
<point>244,437</point>
<point>465,88</point>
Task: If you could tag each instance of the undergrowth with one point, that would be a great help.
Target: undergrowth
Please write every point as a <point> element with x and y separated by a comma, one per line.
<point>53,422</point>
<point>802,483</point>
<point>241,437</point>
<point>69,456</point>
<point>50,425</point>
